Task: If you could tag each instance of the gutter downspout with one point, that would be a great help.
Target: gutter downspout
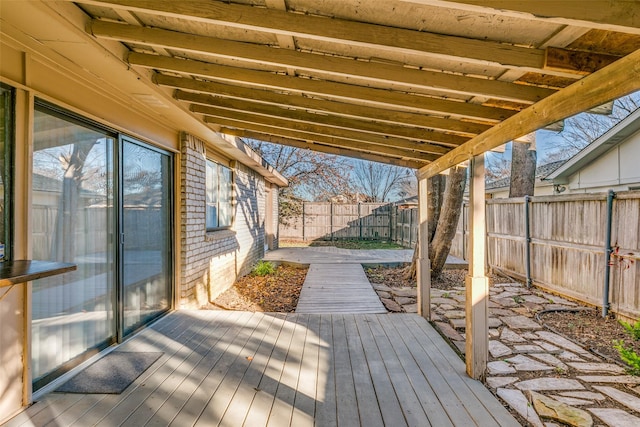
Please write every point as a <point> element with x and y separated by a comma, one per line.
<point>607,253</point>
<point>527,237</point>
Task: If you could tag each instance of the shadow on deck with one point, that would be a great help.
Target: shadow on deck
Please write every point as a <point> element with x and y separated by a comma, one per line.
<point>255,369</point>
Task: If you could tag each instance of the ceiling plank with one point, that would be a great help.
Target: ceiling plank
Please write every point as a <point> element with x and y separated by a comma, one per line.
<point>616,15</point>
<point>328,149</point>
<point>338,140</point>
<point>338,30</point>
<point>318,63</point>
<point>385,129</point>
<point>618,79</point>
<point>578,62</point>
<point>338,91</point>
<point>320,105</point>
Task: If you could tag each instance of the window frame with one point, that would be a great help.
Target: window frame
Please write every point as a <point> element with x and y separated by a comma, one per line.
<point>209,162</point>
<point>8,198</point>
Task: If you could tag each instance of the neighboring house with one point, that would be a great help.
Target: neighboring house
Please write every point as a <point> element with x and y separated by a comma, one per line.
<point>608,163</point>
<point>499,189</point>
<point>157,210</point>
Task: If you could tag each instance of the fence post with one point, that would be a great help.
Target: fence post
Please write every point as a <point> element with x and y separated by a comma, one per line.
<point>607,254</point>
<point>527,240</point>
<point>304,238</point>
<point>360,220</point>
<point>410,228</point>
<point>331,219</point>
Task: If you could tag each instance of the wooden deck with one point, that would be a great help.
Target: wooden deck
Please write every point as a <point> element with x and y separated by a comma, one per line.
<point>338,288</point>
<point>257,369</point>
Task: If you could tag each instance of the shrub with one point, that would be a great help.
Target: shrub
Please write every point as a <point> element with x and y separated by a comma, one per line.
<point>629,356</point>
<point>633,330</point>
<point>264,268</point>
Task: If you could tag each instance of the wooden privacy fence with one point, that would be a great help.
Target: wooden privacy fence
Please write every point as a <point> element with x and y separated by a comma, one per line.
<point>329,221</point>
<point>567,245</point>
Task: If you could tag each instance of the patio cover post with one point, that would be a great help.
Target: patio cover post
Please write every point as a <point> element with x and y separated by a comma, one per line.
<point>477,284</point>
<point>422,246</point>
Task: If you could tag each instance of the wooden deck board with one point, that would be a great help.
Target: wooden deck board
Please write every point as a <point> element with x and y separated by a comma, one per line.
<point>256,369</point>
<point>338,288</point>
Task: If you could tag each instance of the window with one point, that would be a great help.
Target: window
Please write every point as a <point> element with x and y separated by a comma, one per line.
<point>218,200</point>
<point>6,142</point>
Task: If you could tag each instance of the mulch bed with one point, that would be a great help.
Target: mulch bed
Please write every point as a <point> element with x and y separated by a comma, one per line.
<point>589,328</point>
<point>278,292</point>
<point>449,279</point>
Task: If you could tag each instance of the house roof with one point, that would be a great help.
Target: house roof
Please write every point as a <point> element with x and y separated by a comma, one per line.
<point>420,83</point>
<point>541,173</point>
<point>614,136</point>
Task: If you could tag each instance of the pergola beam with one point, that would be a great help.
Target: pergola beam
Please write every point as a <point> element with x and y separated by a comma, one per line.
<point>313,104</point>
<point>336,91</point>
<point>318,63</point>
<point>346,32</point>
<point>297,119</point>
<point>616,15</point>
<point>614,81</point>
<point>328,149</point>
<point>323,138</point>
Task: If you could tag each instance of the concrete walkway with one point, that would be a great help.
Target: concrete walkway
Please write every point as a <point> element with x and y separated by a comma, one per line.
<point>338,288</point>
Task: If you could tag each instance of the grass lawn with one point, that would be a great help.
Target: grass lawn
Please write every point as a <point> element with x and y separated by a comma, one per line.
<point>342,244</point>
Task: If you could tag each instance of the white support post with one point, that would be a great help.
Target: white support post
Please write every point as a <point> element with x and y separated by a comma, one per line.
<point>424,266</point>
<point>477,284</point>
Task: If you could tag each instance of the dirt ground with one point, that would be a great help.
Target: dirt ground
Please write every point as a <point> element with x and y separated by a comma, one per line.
<point>278,292</point>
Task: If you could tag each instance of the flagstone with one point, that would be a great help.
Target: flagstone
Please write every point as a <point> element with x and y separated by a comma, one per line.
<point>614,379</point>
<point>449,301</point>
<point>501,312</point>
<point>496,382</point>
<point>461,346</point>
<point>571,401</point>
<point>493,322</point>
<point>616,417</point>
<point>497,349</point>
<point>551,384</point>
<point>455,314</point>
<point>500,368</point>
<point>517,400</point>
<point>524,363</point>
<point>550,359</point>
<point>535,299</point>
<point>547,407</point>
<point>508,335</point>
<point>448,331</point>
<point>565,343</point>
<point>381,287</point>
<point>549,348</point>
<point>506,302</point>
<point>520,322</point>
<point>567,355</point>
<point>405,292</point>
<point>583,395</point>
<point>494,333</point>
<point>626,399</point>
<point>458,323</point>
<point>413,308</point>
<point>527,348</point>
<point>446,307</point>
<point>597,367</point>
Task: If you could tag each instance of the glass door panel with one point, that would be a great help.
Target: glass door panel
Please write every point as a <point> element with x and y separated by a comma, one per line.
<point>72,221</point>
<point>146,234</point>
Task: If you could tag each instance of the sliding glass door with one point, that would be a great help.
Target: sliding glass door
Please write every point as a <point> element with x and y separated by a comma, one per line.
<point>146,238</point>
<point>103,202</point>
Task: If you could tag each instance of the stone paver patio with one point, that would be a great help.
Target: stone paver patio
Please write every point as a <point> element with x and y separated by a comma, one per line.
<point>546,378</point>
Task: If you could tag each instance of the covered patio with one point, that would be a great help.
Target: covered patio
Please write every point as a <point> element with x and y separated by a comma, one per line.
<point>251,369</point>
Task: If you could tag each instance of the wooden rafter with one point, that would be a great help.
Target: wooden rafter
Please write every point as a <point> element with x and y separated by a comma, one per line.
<point>612,15</point>
<point>329,136</point>
<point>231,108</point>
<point>317,63</point>
<point>322,148</point>
<point>617,80</point>
<point>352,33</point>
<point>335,91</point>
<point>324,106</point>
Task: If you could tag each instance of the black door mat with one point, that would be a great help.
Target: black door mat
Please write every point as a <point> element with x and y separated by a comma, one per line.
<point>112,374</point>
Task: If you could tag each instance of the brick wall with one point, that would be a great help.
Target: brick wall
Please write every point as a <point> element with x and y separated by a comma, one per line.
<point>211,261</point>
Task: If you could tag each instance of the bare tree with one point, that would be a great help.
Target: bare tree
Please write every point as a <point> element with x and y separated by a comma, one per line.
<point>379,181</point>
<point>523,167</point>
<point>445,198</point>
<point>582,129</point>
<point>311,175</point>
<point>498,166</point>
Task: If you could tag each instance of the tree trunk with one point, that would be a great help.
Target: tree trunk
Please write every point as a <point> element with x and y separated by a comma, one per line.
<point>448,221</point>
<point>523,167</point>
<point>445,205</point>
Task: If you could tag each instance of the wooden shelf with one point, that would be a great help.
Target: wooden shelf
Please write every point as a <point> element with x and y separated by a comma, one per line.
<point>19,271</point>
